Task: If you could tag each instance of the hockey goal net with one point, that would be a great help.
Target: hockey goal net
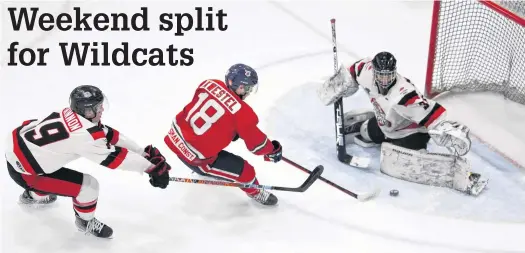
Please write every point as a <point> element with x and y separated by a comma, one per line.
<point>477,46</point>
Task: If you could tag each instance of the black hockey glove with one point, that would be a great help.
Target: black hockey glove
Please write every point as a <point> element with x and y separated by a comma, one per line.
<point>159,173</point>
<point>236,137</point>
<point>276,154</point>
<point>150,152</point>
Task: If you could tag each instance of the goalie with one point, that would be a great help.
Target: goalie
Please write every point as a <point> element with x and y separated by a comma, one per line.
<point>402,122</point>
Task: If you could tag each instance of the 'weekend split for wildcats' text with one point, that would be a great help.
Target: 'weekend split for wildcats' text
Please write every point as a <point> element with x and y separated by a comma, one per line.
<point>79,21</point>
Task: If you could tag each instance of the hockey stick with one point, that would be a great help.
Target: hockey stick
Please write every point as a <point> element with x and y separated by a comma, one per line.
<point>360,197</point>
<point>342,155</point>
<point>314,175</point>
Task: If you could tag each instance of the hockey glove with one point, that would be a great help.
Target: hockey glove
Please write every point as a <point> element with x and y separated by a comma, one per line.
<point>150,152</point>
<point>341,84</point>
<point>159,172</point>
<point>453,135</point>
<point>276,154</point>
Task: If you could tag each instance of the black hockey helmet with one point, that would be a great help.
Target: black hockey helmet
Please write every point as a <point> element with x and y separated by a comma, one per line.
<point>242,74</point>
<point>86,101</point>
<point>385,73</point>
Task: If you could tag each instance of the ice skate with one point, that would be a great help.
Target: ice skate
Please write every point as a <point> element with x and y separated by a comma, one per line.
<point>32,199</point>
<point>264,197</point>
<point>476,184</point>
<point>93,227</point>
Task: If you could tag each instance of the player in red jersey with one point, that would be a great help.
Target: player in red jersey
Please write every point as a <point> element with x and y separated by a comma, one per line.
<point>216,116</point>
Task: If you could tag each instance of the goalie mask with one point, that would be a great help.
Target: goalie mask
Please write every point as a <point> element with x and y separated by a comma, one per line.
<point>89,102</point>
<point>385,73</point>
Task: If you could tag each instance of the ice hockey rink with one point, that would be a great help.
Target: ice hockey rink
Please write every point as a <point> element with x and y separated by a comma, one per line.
<point>289,44</point>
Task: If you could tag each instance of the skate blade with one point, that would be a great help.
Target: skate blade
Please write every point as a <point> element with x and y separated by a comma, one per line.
<point>261,205</point>
<point>37,206</point>
<point>479,187</point>
<point>88,234</point>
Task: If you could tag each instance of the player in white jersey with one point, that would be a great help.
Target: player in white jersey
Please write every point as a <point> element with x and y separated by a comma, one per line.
<point>403,121</point>
<point>38,149</point>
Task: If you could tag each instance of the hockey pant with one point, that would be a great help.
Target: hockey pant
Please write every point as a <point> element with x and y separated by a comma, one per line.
<point>229,167</point>
<point>83,188</point>
<point>414,141</point>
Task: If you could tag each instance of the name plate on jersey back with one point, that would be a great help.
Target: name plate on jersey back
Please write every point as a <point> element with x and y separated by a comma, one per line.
<point>222,95</point>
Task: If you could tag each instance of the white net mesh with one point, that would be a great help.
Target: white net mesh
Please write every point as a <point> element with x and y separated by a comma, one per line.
<point>480,49</point>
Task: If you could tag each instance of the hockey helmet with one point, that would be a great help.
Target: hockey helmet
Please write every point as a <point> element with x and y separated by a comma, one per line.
<point>87,101</point>
<point>242,75</point>
<point>385,72</point>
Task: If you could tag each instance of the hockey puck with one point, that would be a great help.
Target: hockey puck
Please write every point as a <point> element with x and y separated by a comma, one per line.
<point>394,192</point>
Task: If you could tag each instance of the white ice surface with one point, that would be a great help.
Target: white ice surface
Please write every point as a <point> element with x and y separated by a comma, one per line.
<point>289,44</point>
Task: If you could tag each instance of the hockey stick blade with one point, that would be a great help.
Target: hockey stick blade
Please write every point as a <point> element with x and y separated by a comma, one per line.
<point>356,161</point>
<point>367,196</point>
<point>360,162</point>
<point>316,173</point>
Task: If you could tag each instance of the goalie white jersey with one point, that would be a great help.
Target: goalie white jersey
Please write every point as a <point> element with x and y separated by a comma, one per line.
<point>403,110</point>
<point>43,146</point>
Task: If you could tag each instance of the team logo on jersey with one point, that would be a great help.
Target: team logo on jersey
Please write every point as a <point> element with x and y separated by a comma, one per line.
<point>380,114</point>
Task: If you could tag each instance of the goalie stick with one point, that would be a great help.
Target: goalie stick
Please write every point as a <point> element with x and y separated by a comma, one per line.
<point>314,175</point>
<point>360,197</point>
<point>342,155</point>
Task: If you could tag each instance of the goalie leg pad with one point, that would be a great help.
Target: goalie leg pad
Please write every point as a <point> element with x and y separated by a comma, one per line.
<point>428,168</point>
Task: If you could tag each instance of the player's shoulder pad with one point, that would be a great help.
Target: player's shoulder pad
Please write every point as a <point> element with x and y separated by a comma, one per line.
<point>218,81</point>
<point>404,91</point>
<point>356,69</point>
<point>248,117</point>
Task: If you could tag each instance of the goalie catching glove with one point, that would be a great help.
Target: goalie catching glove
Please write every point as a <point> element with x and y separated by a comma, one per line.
<point>452,135</point>
<point>339,85</point>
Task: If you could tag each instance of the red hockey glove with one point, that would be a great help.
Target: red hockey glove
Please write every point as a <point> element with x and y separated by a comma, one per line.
<point>159,172</point>
<point>276,154</point>
<point>150,152</point>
